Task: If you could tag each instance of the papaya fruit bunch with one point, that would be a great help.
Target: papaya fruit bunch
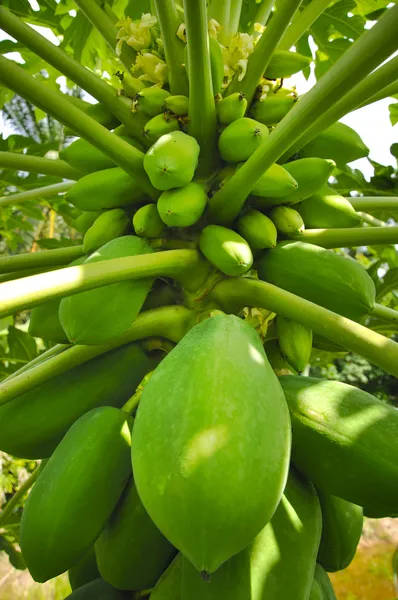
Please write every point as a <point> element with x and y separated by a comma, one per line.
<point>184,455</point>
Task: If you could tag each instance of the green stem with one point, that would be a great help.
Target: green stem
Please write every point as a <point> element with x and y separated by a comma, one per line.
<point>36,194</point>
<point>220,11</point>
<point>132,403</point>
<point>263,12</point>
<point>374,203</point>
<point>186,266</point>
<point>386,92</point>
<point>54,351</point>
<point>171,322</point>
<point>302,23</point>
<point>173,47</point>
<point>365,54</point>
<point>265,47</point>
<point>121,152</point>
<point>37,260</point>
<point>202,108</point>
<point>70,67</point>
<point>18,496</point>
<point>240,292</point>
<point>37,164</point>
<point>234,18</point>
<point>26,272</point>
<point>385,313</point>
<point>347,238</point>
<point>371,220</point>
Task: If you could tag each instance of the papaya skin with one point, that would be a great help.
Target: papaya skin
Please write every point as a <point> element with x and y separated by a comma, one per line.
<point>168,586</point>
<point>108,226</point>
<point>182,207</point>
<point>329,210</point>
<point>240,139</point>
<point>98,589</point>
<point>226,250</point>
<point>85,571</point>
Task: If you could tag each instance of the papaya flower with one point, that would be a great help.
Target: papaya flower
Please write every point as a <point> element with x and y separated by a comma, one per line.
<point>153,67</point>
<point>136,34</point>
<point>236,55</point>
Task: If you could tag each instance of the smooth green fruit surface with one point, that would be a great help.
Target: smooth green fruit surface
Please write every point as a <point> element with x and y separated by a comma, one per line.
<point>97,590</point>
<point>226,250</point>
<point>86,158</point>
<point>217,463</point>
<point>84,571</point>
<point>76,492</point>
<point>326,209</point>
<point>147,222</point>
<point>316,592</point>
<point>310,173</point>
<point>178,105</point>
<point>168,586</point>
<point>158,126</point>
<point>324,583</point>
<point>272,109</point>
<point>84,221</point>
<point>274,183</point>
<point>172,160</point>
<point>108,226</point>
<point>182,207</point>
<point>241,139</point>
<point>231,108</point>
<point>287,220</point>
<point>339,142</point>
<point>150,100</point>
<point>257,229</point>
<point>295,342</point>
<point>284,63</point>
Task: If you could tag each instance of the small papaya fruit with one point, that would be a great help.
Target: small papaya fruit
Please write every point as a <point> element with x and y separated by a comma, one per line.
<point>209,509</point>
<point>182,207</point>
<point>109,225</point>
<point>257,229</point>
<point>150,100</point>
<point>158,126</point>
<point>324,583</point>
<point>86,158</point>
<point>84,221</point>
<point>338,142</point>
<point>275,357</point>
<point>272,109</point>
<point>76,492</point>
<point>284,63</point>
<point>168,586</point>
<point>172,160</point>
<point>147,222</point>
<point>177,105</point>
<point>131,85</point>
<point>275,182</point>
<point>295,342</point>
<point>316,592</point>
<point>231,108</point>
<point>311,175</point>
<point>84,571</point>
<point>326,209</point>
<point>98,589</point>
<point>240,139</point>
<point>225,249</point>
<point>287,220</point>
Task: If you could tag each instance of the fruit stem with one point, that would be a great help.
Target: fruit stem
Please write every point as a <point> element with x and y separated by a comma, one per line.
<point>36,194</point>
<point>264,49</point>
<point>121,152</point>
<point>57,349</point>
<point>386,92</point>
<point>37,164</point>
<point>263,12</point>
<point>19,495</point>
<point>173,47</point>
<point>202,109</point>
<point>385,313</point>
<point>302,23</point>
<point>234,17</point>
<point>34,260</point>
<point>26,273</point>
<point>374,203</point>
<point>171,322</point>
<point>349,237</point>
<point>371,220</point>
<point>219,10</point>
<point>239,292</point>
<point>372,48</point>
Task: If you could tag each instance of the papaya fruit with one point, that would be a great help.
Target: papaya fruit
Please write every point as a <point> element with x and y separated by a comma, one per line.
<point>131,552</point>
<point>231,108</point>
<point>188,481</point>
<point>275,182</point>
<point>225,249</point>
<point>272,109</point>
<point>171,161</point>
<point>109,188</point>
<point>76,492</point>
<point>316,592</point>
<point>324,583</point>
<point>33,424</point>
<point>147,222</point>
<point>109,225</point>
<point>98,589</point>
<point>287,220</point>
<point>86,158</point>
<point>84,571</point>
<point>284,64</point>
<point>84,221</point>
<point>257,229</point>
<point>177,105</point>
<point>300,268</point>
<point>338,142</point>
<point>329,210</point>
<point>240,139</point>
<point>100,315</point>
<point>168,586</point>
<point>295,342</point>
<point>275,357</point>
<point>158,126</point>
<point>131,85</point>
<point>342,524</point>
<point>150,100</point>
<point>182,207</point>
<point>344,441</point>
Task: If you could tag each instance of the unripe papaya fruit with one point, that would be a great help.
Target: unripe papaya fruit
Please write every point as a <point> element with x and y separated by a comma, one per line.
<point>109,188</point>
<point>355,431</point>
<point>326,209</point>
<point>86,158</point>
<point>158,126</point>
<point>172,160</point>
<point>316,592</point>
<point>98,589</point>
<point>300,268</point>
<point>226,250</point>
<point>147,222</point>
<point>84,571</point>
<point>76,492</point>
<point>182,207</point>
<point>131,552</point>
<point>103,314</point>
<point>274,183</point>
<point>284,63</point>
<point>342,524</point>
<point>168,586</point>
<point>33,424</point>
<point>209,508</point>
<point>275,357</point>
<point>257,229</point>
<point>240,139</point>
<point>177,105</point>
<point>324,583</point>
<point>339,142</point>
<point>84,221</point>
<point>109,225</point>
<point>131,85</point>
<point>286,220</point>
<point>272,109</point>
<point>150,100</point>
<point>231,108</point>
<point>295,342</point>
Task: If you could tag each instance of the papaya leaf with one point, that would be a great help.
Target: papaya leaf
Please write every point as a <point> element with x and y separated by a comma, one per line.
<point>14,555</point>
<point>389,283</point>
<point>22,345</point>
<point>393,108</point>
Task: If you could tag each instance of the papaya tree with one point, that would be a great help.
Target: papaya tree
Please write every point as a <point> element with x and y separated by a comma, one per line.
<point>211,237</point>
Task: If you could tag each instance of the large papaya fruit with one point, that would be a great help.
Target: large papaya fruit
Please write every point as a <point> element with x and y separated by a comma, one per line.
<point>275,182</point>
<point>300,268</point>
<point>76,492</point>
<point>86,158</point>
<point>257,229</point>
<point>33,424</point>
<point>131,552</point>
<point>168,586</point>
<point>342,524</point>
<point>109,225</point>
<point>182,207</point>
<point>284,63</point>
<point>326,209</point>
<point>339,142</point>
<point>272,109</point>
<point>84,571</point>
<point>226,250</point>
<point>84,221</point>
<point>98,589</point>
<point>241,138</point>
<point>345,441</point>
<point>295,342</point>
<point>219,387</point>
<point>324,583</point>
<point>102,314</point>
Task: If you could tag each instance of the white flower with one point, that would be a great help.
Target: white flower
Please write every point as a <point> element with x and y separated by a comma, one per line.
<point>154,68</point>
<point>136,34</point>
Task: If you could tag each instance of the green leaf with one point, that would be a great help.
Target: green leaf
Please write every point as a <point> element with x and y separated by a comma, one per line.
<point>389,283</point>
<point>5,322</point>
<point>393,108</point>
<point>22,345</point>
<point>14,555</point>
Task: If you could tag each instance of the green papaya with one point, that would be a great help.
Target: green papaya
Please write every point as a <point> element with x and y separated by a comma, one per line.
<point>109,225</point>
<point>86,158</point>
<point>182,207</point>
<point>84,221</point>
<point>188,478</point>
<point>168,586</point>
<point>272,109</point>
<point>287,220</point>
<point>172,160</point>
<point>295,342</point>
<point>150,100</point>
<point>284,64</point>
<point>257,229</point>
<point>300,268</point>
<point>225,249</point>
<point>131,552</point>
<point>131,85</point>
<point>275,357</point>
<point>147,222</point>
<point>76,492</point>
<point>338,142</point>
<point>109,188</point>
<point>329,210</point>
<point>240,139</point>
<point>342,524</point>
<point>231,108</point>
<point>158,126</point>
<point>33,424</point>
<point>177,105</point>
<point>84,571</point>
<point>344,441</point>
<point>324,583</point>
<point>98,589</point>
<point>316,592</point>
<point>274,183</point>
<point>103,314</point>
